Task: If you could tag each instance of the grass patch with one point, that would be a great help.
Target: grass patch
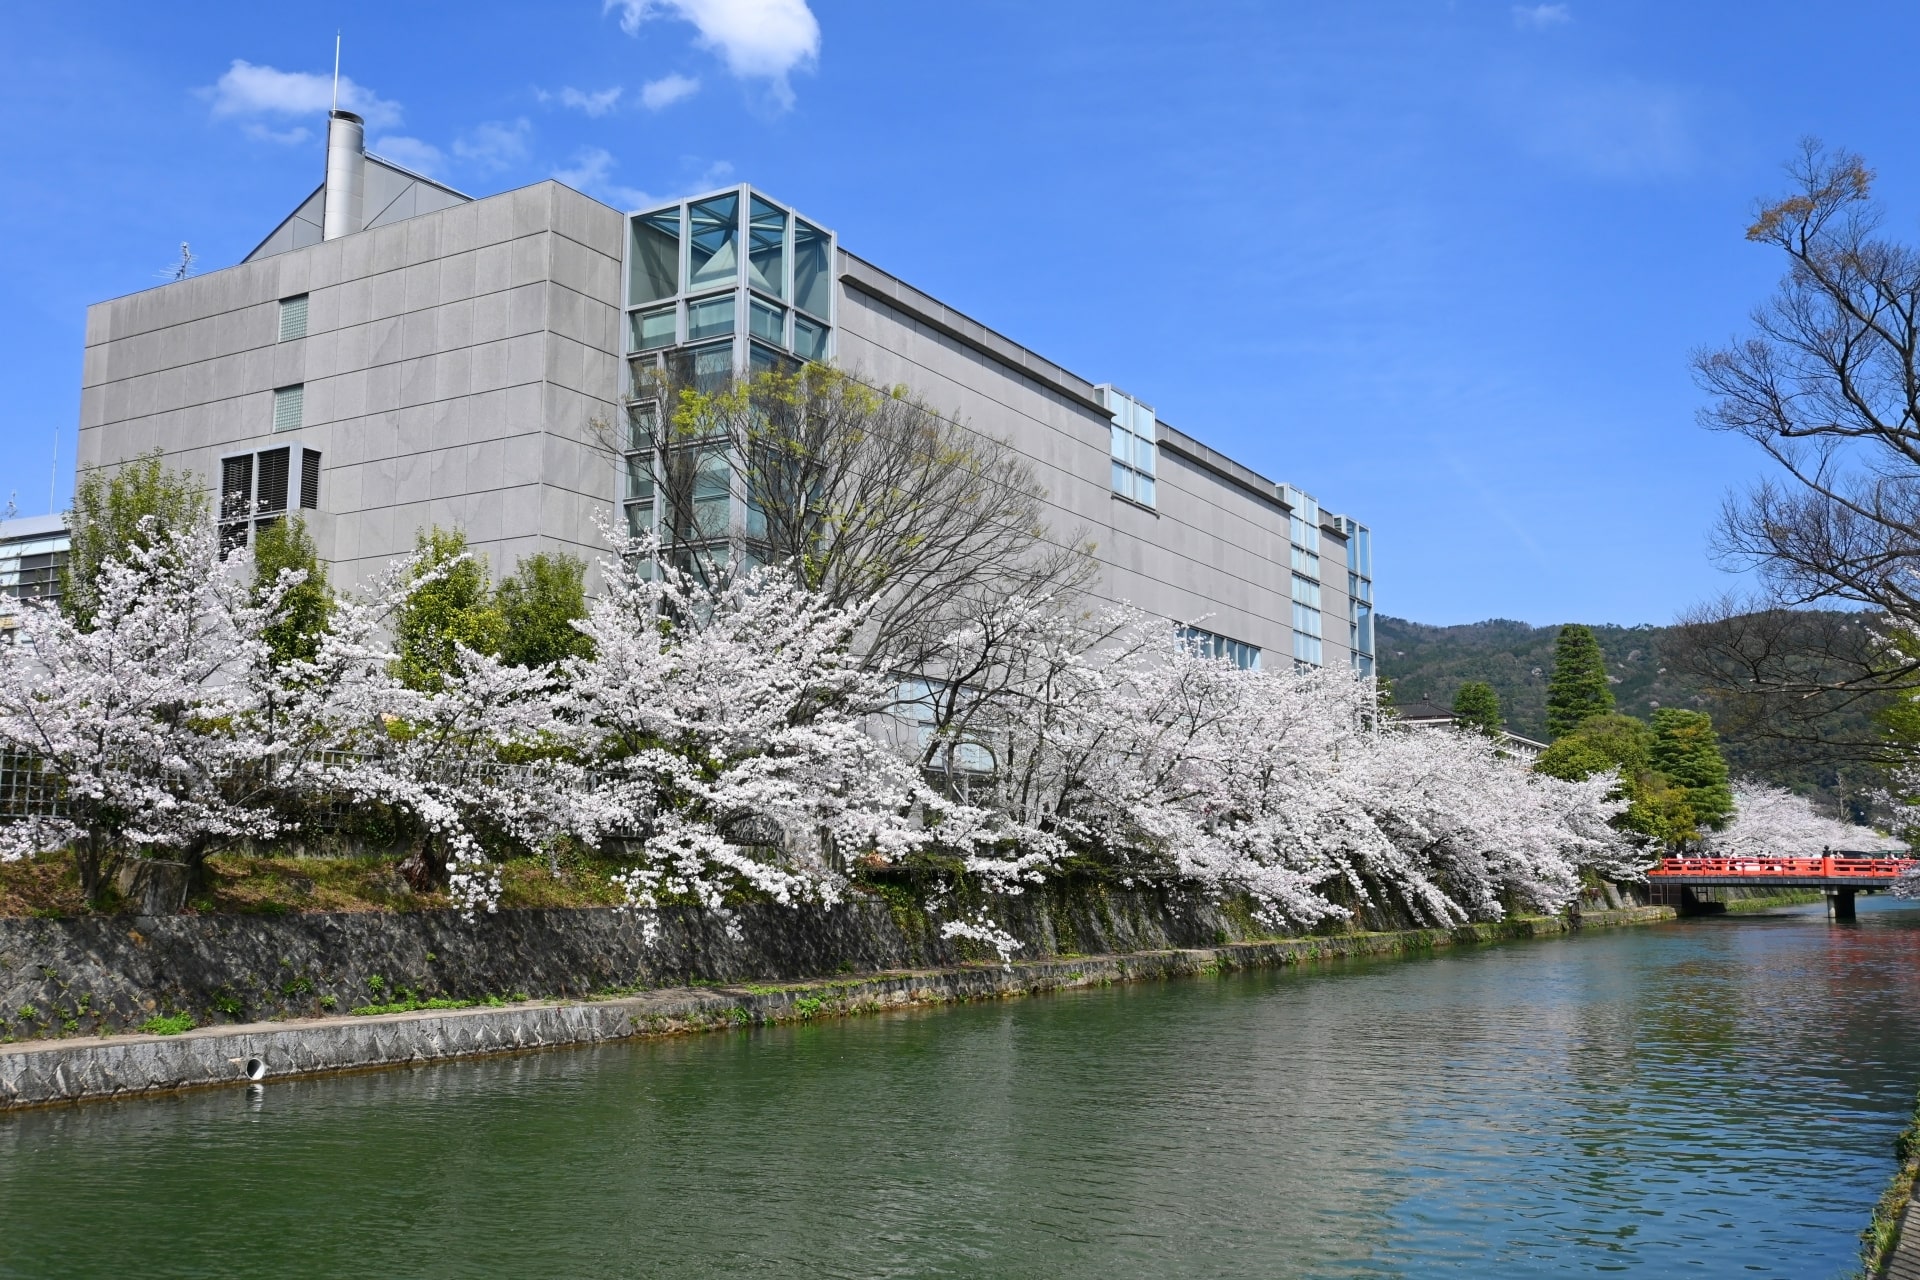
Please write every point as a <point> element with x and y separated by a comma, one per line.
<point>287,884</point>
<point>168,1024</point>
<point>1882,1235</point>
<point>414,1004</point>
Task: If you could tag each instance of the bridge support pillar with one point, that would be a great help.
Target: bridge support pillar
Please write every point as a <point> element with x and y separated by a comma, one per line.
<point>1840,904</point>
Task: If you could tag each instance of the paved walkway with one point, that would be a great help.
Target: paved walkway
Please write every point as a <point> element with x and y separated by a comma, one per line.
<point>1905,1262</point>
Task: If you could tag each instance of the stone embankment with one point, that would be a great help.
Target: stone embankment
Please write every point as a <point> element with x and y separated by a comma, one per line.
<point>77,1068</point>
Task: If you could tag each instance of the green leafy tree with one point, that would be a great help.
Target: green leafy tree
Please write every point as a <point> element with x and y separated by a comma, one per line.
<point>1655,807</point>
<point>306,609</point>
<point>1578,687</point>
<point>1686,749</point>
<point>110,515</point>
<point>538,606</point>
<point>1477,707</point>
<point>455,605</point>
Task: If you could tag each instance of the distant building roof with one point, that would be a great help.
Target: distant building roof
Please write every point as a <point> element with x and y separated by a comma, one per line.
<point>1425,711</point>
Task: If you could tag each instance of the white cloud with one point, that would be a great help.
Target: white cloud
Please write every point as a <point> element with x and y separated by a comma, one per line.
<point>668,90</point>
<point>592,172</point>
<point>285,137</point>
<point>757,39</point>
<point>1539,17</point>
<point>249,90</point>
<point>495,145</point>
<point>594,104</point>
<point>411,153</point>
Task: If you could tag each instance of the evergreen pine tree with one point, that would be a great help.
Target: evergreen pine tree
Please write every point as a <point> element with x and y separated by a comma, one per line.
<point>1687,750</point>
<point>1578,687</point>
<point>1477,707</point>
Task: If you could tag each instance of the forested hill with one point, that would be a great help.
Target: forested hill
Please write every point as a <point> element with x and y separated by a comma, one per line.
<point>1516,659</point>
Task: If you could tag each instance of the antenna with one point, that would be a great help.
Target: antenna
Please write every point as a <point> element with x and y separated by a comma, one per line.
<point>53,481</point>
<point>336,70</point>
<point>183,268</point>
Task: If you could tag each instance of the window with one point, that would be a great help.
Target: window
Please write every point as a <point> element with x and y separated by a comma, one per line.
<point>767,248</point>
<point>652,329</point>
<point>763,359</point>
<point>1303,522</point>
<point>767,323</point>
<point>917,705</point>
<point>30,570</point>
<point>654,272</point>
<point>309,479</point>
<point>1306,562</point>
<point>1361,629</point>
<point>713,253</point>
<point>293,317</point>
<point>637,489</point>
<point>255,489</point>
<point>706,368</point>
<point>1307,620</point>
<point>289,404</point>
<point>809,339</point>
<point>710,318</point>
<point>812,270</point>
<point>709,492</point>
<point>1210,645</point>
<point>1131,445</point>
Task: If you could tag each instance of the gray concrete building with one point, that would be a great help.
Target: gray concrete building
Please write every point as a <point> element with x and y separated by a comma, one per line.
<point>397,355</point>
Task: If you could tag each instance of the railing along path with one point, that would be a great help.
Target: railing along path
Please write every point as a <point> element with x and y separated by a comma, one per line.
<point>1827,866</point>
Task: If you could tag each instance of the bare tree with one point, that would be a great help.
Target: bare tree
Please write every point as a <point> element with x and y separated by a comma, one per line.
<point>868,494</point>
<point>1828,384</point>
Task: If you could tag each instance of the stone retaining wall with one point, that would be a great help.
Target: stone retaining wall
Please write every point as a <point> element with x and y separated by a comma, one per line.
<point>95,974</point>
<point>81,1068</point>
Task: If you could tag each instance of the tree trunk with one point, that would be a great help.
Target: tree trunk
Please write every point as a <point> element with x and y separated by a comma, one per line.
<point>95,865</point>
<point>424,869</point>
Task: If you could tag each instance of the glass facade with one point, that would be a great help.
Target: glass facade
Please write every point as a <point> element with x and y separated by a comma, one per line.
<point>1303,555</point>
<point>713,256</point>
<point>30,564</point>
<point>718,285</point>
<point>1211,645</point>
<point>1135,457</point>
<point>1359,592</point>
<point>734,265</point>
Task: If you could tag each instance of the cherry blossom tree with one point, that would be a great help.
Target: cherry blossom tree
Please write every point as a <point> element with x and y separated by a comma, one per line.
<point>1771,821</point>
<point>724,732</point>
<point>148,723</point>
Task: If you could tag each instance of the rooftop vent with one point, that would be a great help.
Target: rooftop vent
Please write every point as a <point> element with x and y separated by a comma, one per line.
<point>346,175</point>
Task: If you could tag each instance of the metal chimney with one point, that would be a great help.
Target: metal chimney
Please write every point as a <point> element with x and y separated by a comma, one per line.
<point>346,175</point>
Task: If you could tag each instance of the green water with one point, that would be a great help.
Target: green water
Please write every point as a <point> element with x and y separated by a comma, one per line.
<point>1708,1098</point>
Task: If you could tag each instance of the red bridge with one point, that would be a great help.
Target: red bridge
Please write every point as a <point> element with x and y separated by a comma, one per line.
<point>1841,875</point>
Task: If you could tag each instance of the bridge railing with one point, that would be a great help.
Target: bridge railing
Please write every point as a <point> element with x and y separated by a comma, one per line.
<point>1830,866</point>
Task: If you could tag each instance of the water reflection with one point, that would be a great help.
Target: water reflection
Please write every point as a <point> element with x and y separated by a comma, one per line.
<point>1702,1098</point>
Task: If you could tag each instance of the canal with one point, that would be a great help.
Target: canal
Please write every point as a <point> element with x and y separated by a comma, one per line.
<point>1711,1097</point>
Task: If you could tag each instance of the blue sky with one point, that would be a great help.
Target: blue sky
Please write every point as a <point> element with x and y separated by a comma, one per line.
<point>1440,264</point>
